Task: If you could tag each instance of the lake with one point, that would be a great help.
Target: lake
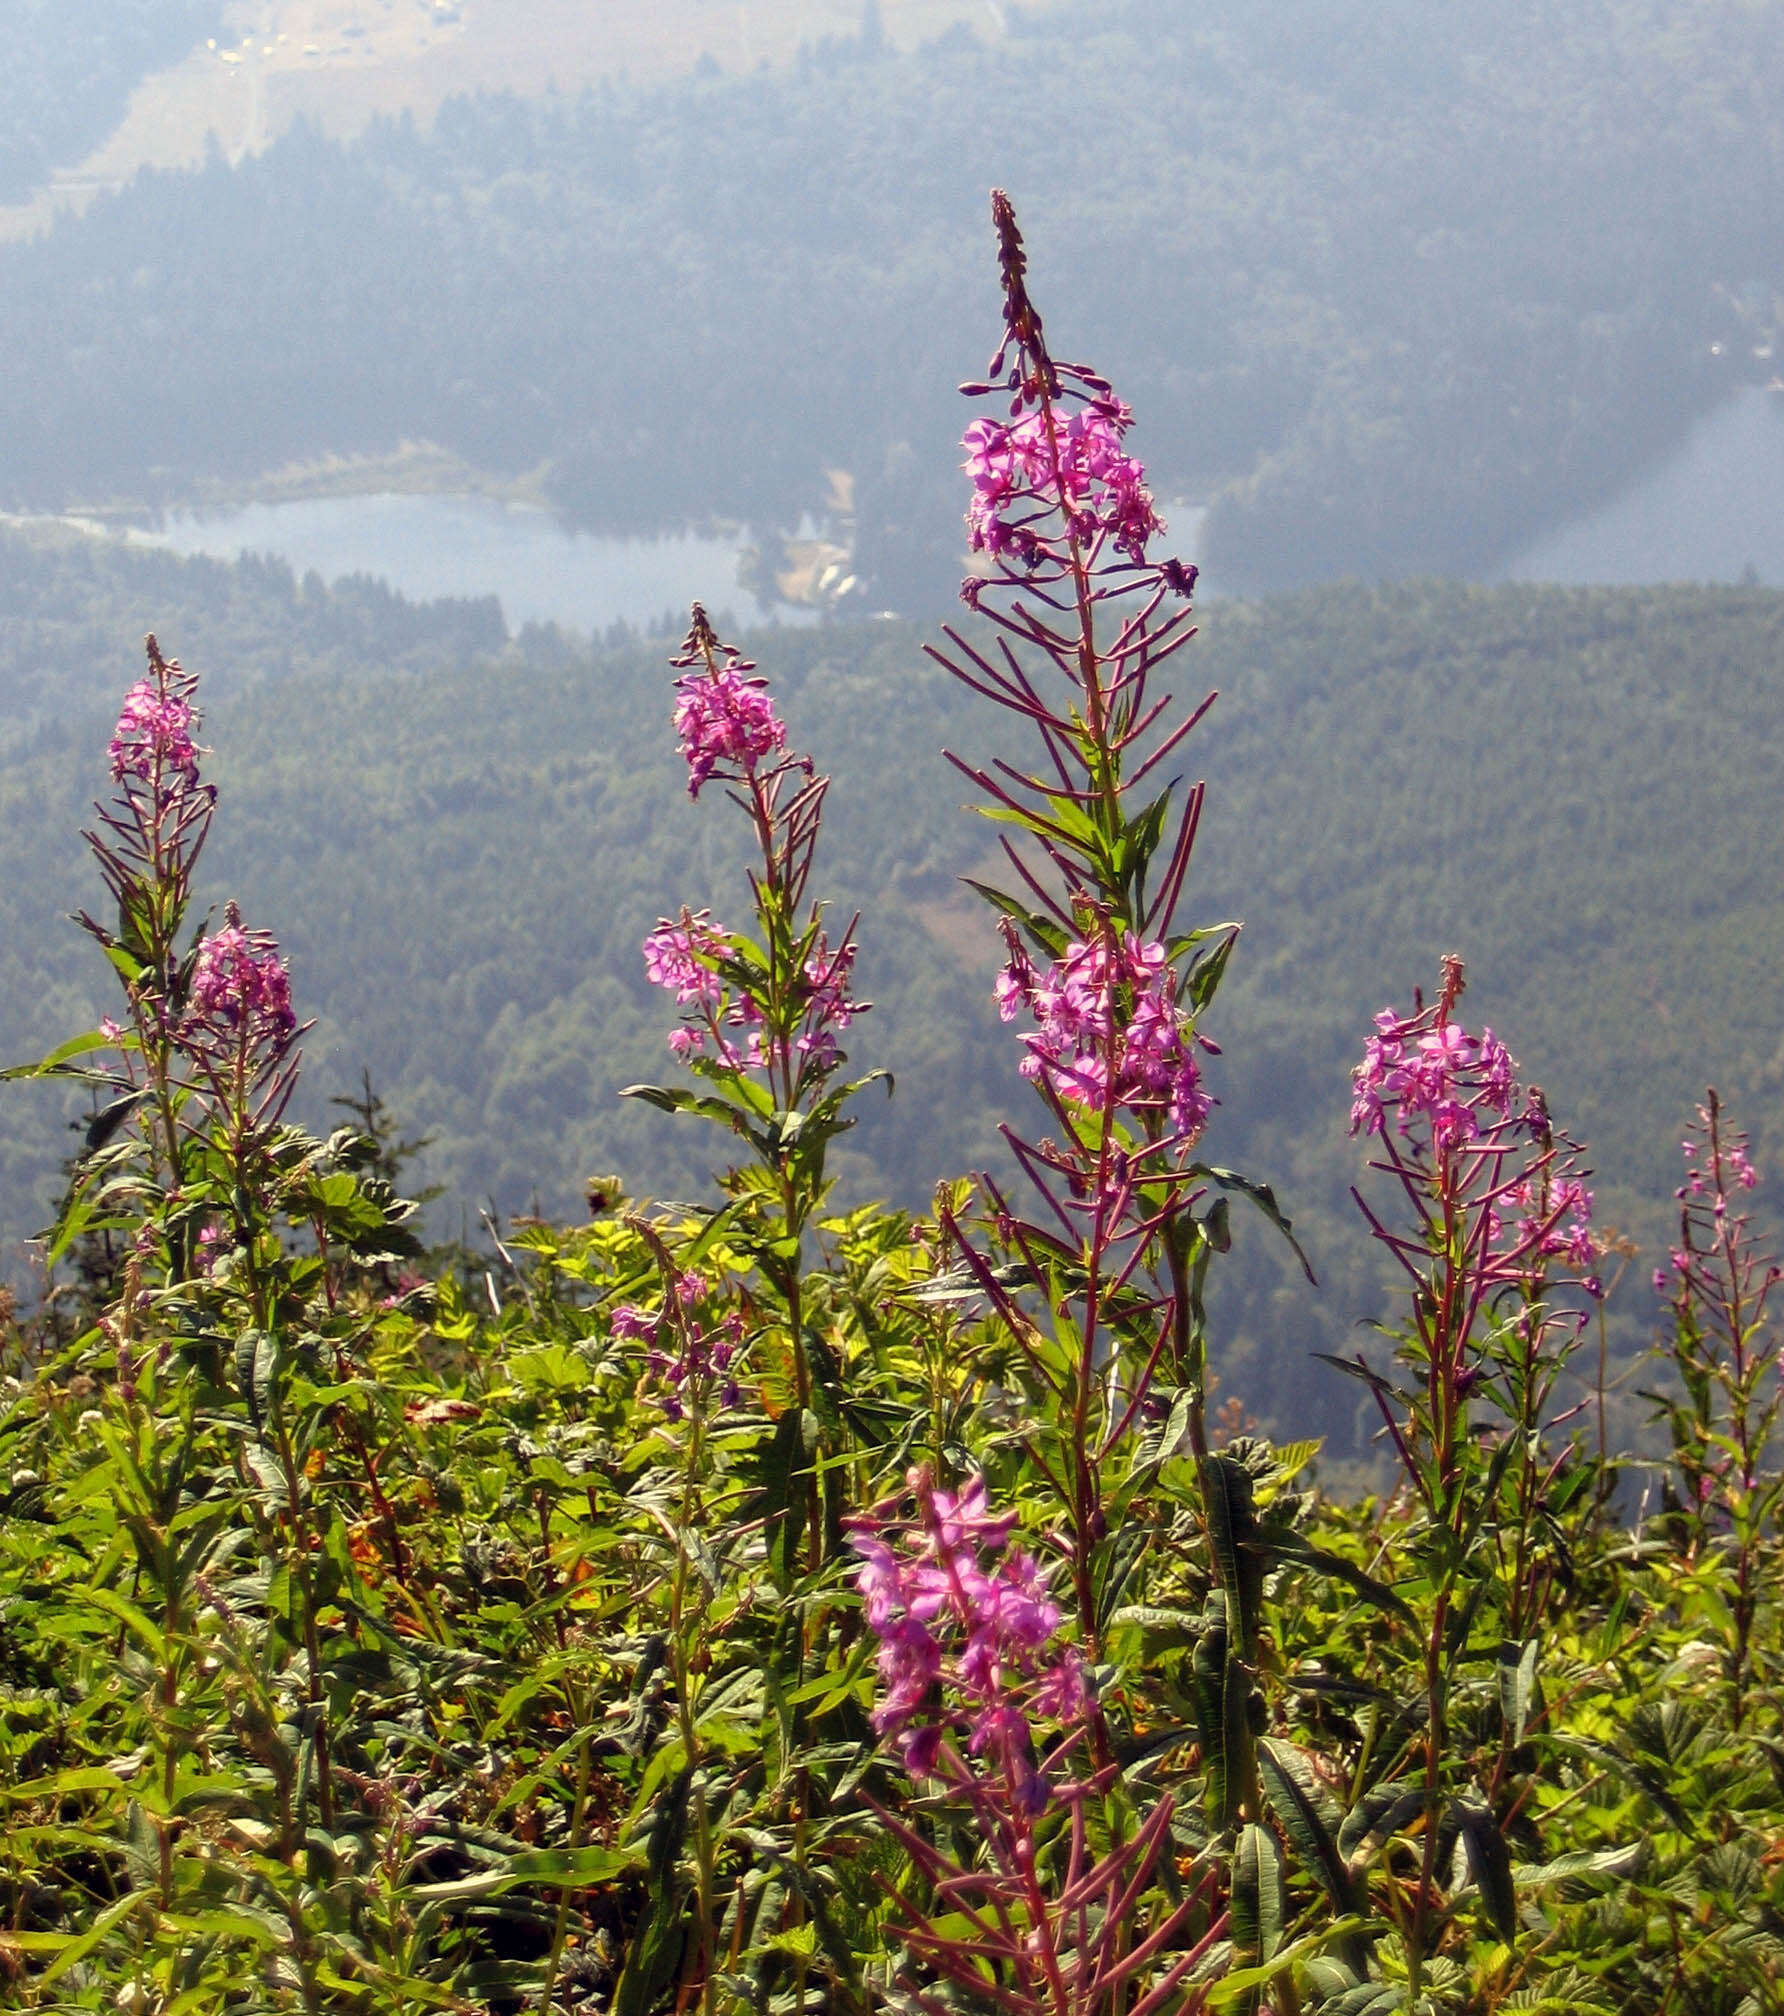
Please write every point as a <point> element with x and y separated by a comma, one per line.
<point>429,546</point>
<point>1710,511</point>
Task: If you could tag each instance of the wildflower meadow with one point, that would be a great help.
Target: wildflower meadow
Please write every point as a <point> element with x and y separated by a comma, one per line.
<point>748,1604</point>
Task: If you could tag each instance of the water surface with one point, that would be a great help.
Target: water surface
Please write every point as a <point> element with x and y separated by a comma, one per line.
<point>430,546</point>
<point>1713,510</point>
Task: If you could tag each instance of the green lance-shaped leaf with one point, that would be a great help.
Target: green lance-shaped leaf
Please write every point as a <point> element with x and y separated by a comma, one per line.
<point>1227,1497</point>
<point>1222,1746</point>
<point>130,1905</point>
<point>1489,1862</point>
<point>1299,1802</point>
<point>1287,1545</point>
<point>1257,1895</point>
<point>787,1460</point>
<point>678,1099</point>
<point>59,1061</point>
<point>1265,1199</point>
<point>1517,1686</point>
<point>1346,1997</point>
<point>547,1868</point>
<point>110,1117</point>
<point>1208,968</point>
<point>1046,935</point>
<point>1137,842</point>
<point>1375,1819</point>
<point>1584,1874</point>
<point>256,1365</point>
<point>1114,1566</point>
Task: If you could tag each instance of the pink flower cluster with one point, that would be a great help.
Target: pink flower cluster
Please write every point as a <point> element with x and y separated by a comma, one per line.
<point>1555,1226</point>
<point>680,957</point>
<point>1731,1165</point>
<point>725,717</point>
<point>965,1625</point>
<point>1735,1163</point>
<point>1436,1073</point>
<point>153,738</point>
<point>240,982</point>
<point>697,1354</point>
<point>683,958</point>
<point>1109,1004</point>
<point>828,1006</point>
<point>1057,459</point>
<point>214,1244</point>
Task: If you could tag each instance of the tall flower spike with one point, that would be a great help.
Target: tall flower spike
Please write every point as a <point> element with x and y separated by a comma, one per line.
<point>239,981</point>
<point>1052,485</point>
<point>1110,988</point>
<point>966,1626</point>
<point>153,739</point>
<point>725,719</point>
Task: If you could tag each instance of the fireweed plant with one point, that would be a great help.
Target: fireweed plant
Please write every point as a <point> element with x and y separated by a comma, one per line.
<point>753,1607</point>
<point>1497,1247</point>
<point>1098,1285</point>
<point>1717,1286</point>
<point>761,1012</point>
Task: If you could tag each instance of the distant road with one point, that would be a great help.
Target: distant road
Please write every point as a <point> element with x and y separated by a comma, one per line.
<point>340,63</point>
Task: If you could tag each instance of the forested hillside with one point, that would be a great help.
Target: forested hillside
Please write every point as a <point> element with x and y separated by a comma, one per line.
<point>461,845</point>
<point>1393,286</point>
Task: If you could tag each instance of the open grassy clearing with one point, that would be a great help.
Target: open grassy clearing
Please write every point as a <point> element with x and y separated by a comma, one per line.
<point>342,63</point>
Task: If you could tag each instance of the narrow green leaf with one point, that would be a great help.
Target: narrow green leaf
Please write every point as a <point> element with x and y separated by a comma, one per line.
<point>1257,1895</point>
<point>1517,1686</point>
<point>58,1059</point>
<point>1265,1199</point>
<point>133,1619</point>
<point>1489,1861</point>
<point>1291,1547</point>
<point>1375,1819</point>
<point>1299,1802</point>
<point>107,1922</point>
<point>106,1122</point>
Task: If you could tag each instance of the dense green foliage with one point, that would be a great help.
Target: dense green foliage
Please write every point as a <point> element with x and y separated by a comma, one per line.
<point>69,70</point>
<point>1400,286</point>
<point>1573,788</point>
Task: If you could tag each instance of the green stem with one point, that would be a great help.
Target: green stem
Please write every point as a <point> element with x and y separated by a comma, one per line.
<point>578,1814</point>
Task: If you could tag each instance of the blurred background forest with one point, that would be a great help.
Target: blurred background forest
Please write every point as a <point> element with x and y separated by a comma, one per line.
<point>1397,293</point>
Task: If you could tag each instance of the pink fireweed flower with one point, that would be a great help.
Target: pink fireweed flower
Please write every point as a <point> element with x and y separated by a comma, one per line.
<point>684,1353</point>
<point>1109,1002</point>
<point>827,976</point>
<point>966,1628</point>
<point>828,1005</point>
<point>725,717</point>
<point>154,737</point>
<point>1555,1225</point>
<point>684,958</point>
<point>1480,1153</point>
<point>1439,1074</point>
<point>239,982</point>
<point>678,957</point>
<point>1061,459</point>
<point>214,1244</point>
